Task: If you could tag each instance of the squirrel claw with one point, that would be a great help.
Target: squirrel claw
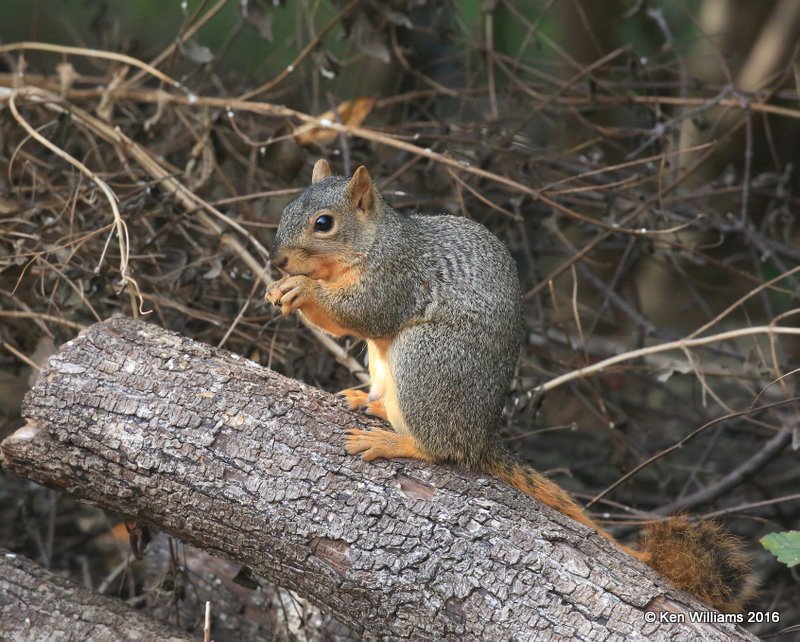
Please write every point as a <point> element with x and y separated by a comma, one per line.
<point>292,300</point>
<point>367,443</point>
<point>275,291</point>
<point>289,293</point>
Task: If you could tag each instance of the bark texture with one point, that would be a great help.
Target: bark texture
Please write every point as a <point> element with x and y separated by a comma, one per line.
<point>37,605</point>
<point>249,465</point>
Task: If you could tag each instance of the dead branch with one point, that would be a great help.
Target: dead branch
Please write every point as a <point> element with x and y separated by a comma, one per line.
<point>36,604</point>
<point>248,464</point>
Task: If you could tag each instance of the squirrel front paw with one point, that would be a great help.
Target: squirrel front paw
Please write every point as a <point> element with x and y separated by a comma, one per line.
<point>291,292</point>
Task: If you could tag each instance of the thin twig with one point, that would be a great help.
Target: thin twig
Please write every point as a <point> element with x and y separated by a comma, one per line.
<point>121,228</point>
<point>681,344</point>
<point>93,53</point>
<point>684,440</point>
<point>752,465</point>
<point>313,43</point>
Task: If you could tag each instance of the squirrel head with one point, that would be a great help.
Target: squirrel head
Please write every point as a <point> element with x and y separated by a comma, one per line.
<point>328,229</point>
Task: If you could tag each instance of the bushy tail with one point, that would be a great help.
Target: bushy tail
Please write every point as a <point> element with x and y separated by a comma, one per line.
<point>699,558</point>
<point>703,559</point>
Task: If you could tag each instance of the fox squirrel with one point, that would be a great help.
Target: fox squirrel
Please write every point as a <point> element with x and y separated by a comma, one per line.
<point>438,301</point>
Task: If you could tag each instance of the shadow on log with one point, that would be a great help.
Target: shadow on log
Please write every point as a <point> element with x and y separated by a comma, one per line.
<point>249,465</point>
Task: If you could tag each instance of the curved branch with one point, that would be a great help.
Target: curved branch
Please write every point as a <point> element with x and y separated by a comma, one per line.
<point>36,604</point>
<point>245,463</point>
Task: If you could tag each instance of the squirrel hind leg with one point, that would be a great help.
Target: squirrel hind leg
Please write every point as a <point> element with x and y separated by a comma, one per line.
<point>702,559</point>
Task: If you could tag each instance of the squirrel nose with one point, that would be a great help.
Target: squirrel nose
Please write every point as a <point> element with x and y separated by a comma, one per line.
<point>281,262</point>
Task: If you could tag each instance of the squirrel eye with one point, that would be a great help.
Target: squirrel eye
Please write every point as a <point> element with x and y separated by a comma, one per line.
<point>323,223</point>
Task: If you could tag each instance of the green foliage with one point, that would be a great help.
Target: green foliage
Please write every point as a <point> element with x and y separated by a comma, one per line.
<point>144,27</point>
<point>785,546</point>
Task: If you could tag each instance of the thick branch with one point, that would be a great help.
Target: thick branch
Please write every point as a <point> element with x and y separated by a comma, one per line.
<point>36,604</point>
<point>249,465</point>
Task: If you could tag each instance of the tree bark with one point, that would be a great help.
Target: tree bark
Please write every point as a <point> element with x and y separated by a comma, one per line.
<point>36,605</point>
<point>249,465</point>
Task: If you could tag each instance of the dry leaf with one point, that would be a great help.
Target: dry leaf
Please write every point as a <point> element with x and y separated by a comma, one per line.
<point>106,107</point>
<point>66,77</point>
<point>196,52</point>
<point>259,17</point>
<point>162,101</point>
<point>326,63</point>
<point>369,40</point>
<point>351,112</point>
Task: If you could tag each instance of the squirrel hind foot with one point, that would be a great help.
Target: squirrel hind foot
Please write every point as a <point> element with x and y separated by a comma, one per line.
<point>702,559</point>
<point>383,444</point>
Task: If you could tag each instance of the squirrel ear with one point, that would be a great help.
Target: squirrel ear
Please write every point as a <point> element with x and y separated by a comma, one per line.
<point>361,190</point>
<point>321,170</point>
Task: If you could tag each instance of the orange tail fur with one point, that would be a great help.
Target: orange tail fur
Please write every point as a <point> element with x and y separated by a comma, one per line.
<point>701,558</point>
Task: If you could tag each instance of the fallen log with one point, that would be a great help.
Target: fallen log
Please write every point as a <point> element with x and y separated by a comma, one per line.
<point>36,604</point>
<point>249,465</point>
